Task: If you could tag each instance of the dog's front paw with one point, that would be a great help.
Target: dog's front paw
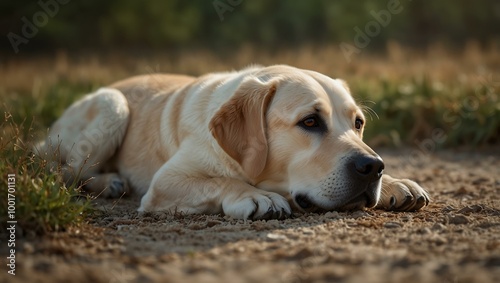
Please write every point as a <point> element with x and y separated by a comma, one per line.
<point>109,185</point>
<point>117,186</point>
<point>402,195</point>
<point>257,205</point>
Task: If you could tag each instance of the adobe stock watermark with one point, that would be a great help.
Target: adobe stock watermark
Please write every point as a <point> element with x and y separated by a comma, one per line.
<point>11,223</point>
<point>223,6</point>
<point>468,105</point>
<point>30,27</point>
<point>371,29</point>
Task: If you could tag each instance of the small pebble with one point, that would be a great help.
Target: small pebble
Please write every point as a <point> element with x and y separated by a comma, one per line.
<point>462,191</point>
<point>438,227</point>
<point>480,180</point>
<point>424,231</point>
<point>303,253</point>
<point>448,208</point>
<point>406,218</point>
<point>275,237</point>
<point>359,213</point>
<point>196,226</point>
<point>211,223</point>
<point>392,225</point>
<point>471,209</point>
<point>308,232</point>
<point>458,219</point>
<point>439,240</point>
<point>121,227</point>
<point>332,214</point>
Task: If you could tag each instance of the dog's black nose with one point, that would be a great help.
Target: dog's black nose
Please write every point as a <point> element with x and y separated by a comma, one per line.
<point>369,167</point>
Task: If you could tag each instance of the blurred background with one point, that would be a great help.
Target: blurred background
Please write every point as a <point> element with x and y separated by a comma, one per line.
<point>428,70</point>
<point>143,26</point>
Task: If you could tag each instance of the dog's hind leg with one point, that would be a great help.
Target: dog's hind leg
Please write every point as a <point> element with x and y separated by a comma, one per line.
<point>86,136</point>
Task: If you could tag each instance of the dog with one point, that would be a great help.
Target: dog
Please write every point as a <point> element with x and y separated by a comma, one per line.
<point>251,144</point>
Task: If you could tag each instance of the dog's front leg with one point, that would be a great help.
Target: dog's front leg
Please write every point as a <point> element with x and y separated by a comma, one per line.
<point>402,195</point>
<point>172,190</point>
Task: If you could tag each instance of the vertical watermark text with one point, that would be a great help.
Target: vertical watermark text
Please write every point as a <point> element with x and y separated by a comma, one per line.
<point>11,223</point>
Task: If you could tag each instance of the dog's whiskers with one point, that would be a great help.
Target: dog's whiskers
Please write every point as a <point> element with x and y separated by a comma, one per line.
<point>367,109</point>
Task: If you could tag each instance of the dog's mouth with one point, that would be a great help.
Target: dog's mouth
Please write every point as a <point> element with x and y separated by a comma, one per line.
<point>358,203</point>
<point>304,202</point>
<point>366,199</point>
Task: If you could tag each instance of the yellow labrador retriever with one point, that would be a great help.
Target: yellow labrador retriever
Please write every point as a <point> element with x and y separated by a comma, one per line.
<point>250,144</point>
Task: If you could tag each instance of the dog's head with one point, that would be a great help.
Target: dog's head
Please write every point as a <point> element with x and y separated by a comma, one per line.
<point>299,133</point>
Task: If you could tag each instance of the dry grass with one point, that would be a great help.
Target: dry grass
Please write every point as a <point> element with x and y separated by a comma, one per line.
<point>397,64</point>
<point>42,201</point>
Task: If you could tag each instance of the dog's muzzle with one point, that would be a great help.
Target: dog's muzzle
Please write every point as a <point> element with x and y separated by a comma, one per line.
<point>364,173</point>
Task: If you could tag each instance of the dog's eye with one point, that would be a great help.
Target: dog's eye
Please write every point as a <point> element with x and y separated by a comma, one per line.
<point>358,124</point>
<point>310,122</point>
<point>313,123</point>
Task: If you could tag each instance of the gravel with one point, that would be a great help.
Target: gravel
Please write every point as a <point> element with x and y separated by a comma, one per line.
<point>455,239</point>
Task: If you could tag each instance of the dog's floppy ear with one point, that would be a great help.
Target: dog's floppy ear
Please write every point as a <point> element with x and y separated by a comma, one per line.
<point>239,125</point>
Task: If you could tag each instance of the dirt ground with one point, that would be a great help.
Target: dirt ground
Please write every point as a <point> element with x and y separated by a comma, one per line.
<point>455,239</point>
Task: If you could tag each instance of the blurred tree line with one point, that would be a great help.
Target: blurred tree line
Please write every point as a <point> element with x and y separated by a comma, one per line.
<point>226,24</point>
